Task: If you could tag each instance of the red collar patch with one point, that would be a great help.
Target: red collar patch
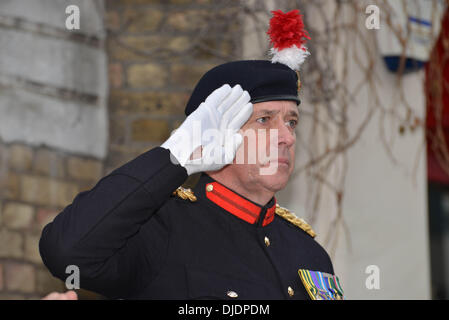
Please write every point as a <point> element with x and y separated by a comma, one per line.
<point>237,205</point>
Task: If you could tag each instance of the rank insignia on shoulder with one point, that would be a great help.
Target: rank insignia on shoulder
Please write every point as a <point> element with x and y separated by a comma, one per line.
<point>290,217</point>
<point>185,194</point>
<point>321,285</point>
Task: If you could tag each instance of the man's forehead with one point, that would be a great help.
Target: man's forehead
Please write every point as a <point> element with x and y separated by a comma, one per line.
<point>272,107</point>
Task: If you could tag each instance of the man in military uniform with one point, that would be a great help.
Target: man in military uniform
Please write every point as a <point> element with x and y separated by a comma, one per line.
<point>139,235</point>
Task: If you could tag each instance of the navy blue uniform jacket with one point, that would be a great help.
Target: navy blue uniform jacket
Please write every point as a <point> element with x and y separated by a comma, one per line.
<point>132,239</point>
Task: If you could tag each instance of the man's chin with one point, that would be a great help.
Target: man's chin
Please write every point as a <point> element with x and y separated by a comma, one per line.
<point>277,181</point>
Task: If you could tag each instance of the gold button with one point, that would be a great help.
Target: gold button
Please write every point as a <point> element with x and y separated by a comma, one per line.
<point>267,241</point>
<point>290,291</point>
<point>209,188</point>
<point>232,294</point>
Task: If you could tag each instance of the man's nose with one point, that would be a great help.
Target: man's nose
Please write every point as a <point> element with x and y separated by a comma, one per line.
<point>286,135</point>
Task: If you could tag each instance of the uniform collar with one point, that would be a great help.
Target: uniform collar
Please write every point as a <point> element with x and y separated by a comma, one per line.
<point>235,203</point>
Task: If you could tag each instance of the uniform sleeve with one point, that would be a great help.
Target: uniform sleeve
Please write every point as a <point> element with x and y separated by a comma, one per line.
<point>99,231</point>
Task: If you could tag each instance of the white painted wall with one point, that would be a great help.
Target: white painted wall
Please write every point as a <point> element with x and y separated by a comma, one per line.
<point>385,206</point>
<point>385,202</point>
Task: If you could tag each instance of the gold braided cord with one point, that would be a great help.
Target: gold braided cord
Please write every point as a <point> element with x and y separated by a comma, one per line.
<point>290,217</point>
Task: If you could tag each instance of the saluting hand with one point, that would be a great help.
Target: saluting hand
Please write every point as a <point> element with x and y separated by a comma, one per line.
<point>212,129</point>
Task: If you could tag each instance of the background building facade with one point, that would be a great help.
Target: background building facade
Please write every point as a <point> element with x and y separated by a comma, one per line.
<point>75,104</point>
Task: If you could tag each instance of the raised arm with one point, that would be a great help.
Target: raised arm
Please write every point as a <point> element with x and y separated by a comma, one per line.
<point>99,231</point>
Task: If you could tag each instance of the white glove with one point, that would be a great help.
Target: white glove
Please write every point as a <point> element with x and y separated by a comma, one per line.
<point>214,126</point>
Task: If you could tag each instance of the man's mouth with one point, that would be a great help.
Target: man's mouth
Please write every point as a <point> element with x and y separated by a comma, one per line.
<point>279,161</point>
<point>282,161</point>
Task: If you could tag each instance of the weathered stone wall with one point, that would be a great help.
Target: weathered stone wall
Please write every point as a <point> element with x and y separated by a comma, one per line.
<point>64,124</point>
<point>53,81</point>
<point>53,128</point>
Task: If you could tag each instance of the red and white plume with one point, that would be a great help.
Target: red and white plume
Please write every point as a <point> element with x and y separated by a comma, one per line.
<point>288,37</point>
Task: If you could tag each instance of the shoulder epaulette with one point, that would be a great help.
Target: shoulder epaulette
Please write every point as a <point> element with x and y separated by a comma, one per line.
<point>185,194</point>
<point>290,217</point>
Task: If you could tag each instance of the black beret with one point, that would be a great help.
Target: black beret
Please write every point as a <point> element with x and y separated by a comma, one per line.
<point>264,80</point>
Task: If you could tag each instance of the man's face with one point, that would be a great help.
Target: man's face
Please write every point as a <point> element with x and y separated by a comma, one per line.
<point>272,125</point>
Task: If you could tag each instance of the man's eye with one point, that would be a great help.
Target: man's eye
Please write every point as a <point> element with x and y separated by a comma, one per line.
<point>262,119</point>
<point>292,123</point>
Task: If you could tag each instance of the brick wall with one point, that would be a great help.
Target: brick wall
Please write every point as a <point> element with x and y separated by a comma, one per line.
<point>53,128</point>
<point>157,52</point>
<point>36,183</point>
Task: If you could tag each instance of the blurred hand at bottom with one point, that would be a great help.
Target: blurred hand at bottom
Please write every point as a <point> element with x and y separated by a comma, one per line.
<point>69,295</point>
